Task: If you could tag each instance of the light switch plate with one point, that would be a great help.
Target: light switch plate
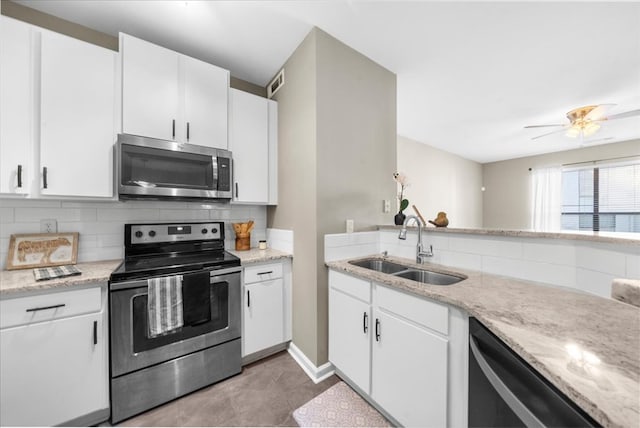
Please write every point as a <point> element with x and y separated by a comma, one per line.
<point>386,206</point>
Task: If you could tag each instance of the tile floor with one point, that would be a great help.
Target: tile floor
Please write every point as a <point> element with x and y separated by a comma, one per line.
<point>264,394</point>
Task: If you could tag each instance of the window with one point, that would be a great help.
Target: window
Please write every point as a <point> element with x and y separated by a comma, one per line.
<point>602,198</point>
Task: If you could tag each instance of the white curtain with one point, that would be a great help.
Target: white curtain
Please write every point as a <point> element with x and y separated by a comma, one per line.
<point>547,199</point>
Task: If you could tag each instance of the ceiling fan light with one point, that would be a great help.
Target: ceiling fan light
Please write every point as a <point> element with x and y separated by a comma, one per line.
<point>591,128</point>
<point>573,132</point>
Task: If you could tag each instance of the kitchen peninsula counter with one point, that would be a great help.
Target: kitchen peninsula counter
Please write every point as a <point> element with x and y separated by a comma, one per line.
<point>606,237</point>
<point>19,282</point>
<point>542,324</point>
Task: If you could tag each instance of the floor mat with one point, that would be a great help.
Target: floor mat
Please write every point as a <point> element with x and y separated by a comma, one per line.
<point>339,406</point>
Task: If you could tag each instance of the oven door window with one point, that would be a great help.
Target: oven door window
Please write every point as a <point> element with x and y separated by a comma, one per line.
<point>219,320</point>
<point>147,166</point>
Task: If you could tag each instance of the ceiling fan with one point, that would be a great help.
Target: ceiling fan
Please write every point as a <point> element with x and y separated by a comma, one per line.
<point>585,121</point>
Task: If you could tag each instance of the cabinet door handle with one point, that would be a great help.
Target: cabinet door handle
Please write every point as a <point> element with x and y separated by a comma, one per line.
<point>248,298</point>
<point>236,189</point>
<point>44,308</point>
<point>187,131</point>
<point>44,177</point>
<point>265,273</point>
<point>377,330</point>
<point>365,322</point>
<point>95,332</point>
<point>19,175</point>
<point>173,129</point>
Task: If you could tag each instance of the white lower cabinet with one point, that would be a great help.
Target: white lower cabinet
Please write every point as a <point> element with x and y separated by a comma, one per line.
<point>409,372</point>
<point>266,307</point>
<point>264,315</point>
<point>349,326</point>
<point>397,349</point>
<point>53,359</point>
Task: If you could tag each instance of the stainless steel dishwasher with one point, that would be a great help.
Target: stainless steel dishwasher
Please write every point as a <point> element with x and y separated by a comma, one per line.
<point>505,391</point>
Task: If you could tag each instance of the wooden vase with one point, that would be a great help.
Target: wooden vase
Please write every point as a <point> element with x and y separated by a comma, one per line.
<point>243,242</point>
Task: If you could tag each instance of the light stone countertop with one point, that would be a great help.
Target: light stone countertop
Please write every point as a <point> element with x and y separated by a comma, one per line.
<point>255,255</point>
<point>538,322</point>
<point>18,282</point>
<point>626,290</point>
<point>608,237</point>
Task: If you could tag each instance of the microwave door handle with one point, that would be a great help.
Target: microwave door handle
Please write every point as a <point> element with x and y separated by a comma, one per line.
<point>215,172</point>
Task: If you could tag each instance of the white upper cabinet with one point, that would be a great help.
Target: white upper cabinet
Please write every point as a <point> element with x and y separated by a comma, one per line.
<point>206,100</point>
<point>57,124</point>
<point>249,143</point>
<point>253,140</point>
<point>170,96</point>
<point>77,117</point>
<point>16,106</point>
<point>149,89</point>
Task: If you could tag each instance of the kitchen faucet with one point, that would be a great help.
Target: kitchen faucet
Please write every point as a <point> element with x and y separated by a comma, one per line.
<point>420,254</point>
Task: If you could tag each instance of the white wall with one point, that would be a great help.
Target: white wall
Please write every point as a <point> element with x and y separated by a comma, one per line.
<point>101,224</point>
<point>440,181</point>
<point>583,265</point>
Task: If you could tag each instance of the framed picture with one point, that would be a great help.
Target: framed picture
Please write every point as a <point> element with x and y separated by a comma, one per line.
<point>35,250</point>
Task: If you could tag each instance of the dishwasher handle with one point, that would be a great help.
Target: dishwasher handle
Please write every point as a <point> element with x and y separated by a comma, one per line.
<point>518,407</point>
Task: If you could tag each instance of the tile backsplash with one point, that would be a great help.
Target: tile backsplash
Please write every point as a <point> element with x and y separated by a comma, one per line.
<point>101,224</point>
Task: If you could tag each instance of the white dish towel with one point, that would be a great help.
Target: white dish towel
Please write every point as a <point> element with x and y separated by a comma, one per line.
<point>164,304</point>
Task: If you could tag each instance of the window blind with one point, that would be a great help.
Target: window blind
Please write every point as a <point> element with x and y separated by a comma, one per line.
<point>602,198</point>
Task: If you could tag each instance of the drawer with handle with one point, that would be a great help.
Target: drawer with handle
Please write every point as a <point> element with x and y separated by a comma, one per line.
<point>263,272</point>
<point>47,307</point>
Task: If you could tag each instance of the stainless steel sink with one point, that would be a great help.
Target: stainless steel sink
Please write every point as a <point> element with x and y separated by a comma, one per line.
<point>429,277</point>
<point>379,265</point>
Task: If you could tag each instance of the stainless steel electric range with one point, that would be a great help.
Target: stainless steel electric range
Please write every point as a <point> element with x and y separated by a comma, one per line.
<point>146,369</point>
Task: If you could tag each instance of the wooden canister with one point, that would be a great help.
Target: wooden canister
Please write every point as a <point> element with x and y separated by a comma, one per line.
<point>243,241</point>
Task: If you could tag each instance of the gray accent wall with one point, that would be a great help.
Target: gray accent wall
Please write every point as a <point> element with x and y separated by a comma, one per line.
<point>507,196</point>
<point>337,154</point>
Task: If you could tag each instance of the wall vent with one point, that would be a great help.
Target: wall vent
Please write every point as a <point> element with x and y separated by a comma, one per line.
<point>275,84</point>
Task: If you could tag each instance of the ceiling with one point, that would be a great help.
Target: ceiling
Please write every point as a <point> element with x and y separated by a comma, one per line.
<point>470,75</point>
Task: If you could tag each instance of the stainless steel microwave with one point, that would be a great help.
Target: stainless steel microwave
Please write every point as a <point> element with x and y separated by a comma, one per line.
<point>147,168</point>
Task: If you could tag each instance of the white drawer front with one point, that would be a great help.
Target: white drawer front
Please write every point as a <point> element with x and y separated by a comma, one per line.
<point>264,272</point>
<point>356,287</point>
<point>47,307</point>
<point>419,310</point>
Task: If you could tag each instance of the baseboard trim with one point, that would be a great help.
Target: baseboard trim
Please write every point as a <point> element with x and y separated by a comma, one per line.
<point>316,374</point>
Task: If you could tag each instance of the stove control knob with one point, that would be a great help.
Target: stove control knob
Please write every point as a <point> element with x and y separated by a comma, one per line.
<point>152,233</point>
<point>204,231</point>
<point>214,230</point>
<point>138,234</point>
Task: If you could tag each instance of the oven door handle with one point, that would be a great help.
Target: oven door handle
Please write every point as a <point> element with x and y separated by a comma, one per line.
<point>220,275</point>
<point>514,403</point>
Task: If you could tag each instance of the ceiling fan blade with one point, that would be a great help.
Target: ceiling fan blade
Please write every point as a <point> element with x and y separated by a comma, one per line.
<point>542,126</point>
<point>564,127</point>
<point>622,115</point>
<point>599,112</point>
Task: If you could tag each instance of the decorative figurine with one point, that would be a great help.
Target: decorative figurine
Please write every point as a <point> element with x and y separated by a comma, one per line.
<point>441,220</point>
